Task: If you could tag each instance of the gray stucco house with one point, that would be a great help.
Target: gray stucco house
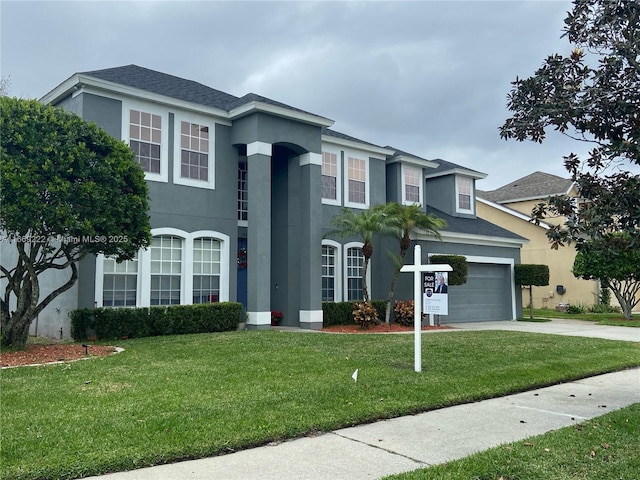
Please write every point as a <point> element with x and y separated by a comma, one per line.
<point>241,194</point>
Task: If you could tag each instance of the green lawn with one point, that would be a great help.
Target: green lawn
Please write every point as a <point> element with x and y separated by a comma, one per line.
<point>605,447</point>
<point>171,398</point>
<point>614,319</point>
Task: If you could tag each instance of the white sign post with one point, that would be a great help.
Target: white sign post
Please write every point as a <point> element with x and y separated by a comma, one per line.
<point>418,268</point>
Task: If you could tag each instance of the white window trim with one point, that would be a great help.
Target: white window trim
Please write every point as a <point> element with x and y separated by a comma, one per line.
<point>338,153</point>
<point>367,184</point>
<point>128,105</point>
<point>345,284</point>
<point>143,294</point>
<point>404,184</point>
<point>472,202</point>
<point>339,269</point>
<point>180,117</point>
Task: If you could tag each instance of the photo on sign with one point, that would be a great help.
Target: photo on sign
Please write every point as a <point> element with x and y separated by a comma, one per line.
<point>441,282</point>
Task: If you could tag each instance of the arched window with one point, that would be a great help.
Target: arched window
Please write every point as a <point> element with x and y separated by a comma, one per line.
<point>354,267</point>
<point>166,270</point>
<point>179,268</point>
<point>206,270</point>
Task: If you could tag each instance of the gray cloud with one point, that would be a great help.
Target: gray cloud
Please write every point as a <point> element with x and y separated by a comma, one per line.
<point>428,77</point>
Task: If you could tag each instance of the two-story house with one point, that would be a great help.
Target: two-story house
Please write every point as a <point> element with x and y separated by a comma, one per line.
<point>241,194</point>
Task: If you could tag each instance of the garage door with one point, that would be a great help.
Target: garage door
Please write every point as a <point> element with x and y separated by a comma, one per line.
<point>485,296</point>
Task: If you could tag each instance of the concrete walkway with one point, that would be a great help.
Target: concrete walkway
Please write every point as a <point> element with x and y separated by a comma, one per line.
<point>407,443</point>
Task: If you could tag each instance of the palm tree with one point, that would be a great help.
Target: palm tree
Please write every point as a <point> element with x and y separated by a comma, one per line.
<point>407,218</point>
<point>364,226</point>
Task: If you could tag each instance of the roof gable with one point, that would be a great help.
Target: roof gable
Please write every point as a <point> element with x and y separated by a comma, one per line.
<point>165,84</point>
<point>534,186</point>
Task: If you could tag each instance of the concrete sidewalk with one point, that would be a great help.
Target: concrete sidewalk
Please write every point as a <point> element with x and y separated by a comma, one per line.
<point>407,443</point>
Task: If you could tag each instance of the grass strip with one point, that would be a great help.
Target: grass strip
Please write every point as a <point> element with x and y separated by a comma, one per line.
<point>613,319</point>
<point>600,448</point>
<point>181,397</point>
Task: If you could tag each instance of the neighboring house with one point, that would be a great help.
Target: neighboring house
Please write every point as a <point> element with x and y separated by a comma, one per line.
<point>241,194</point>
<point>510,207</point>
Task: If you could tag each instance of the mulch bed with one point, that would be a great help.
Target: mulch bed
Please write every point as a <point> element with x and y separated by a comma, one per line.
<point>38,354</point>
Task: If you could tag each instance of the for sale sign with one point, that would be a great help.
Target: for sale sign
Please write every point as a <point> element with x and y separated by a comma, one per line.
<point>435,298</point>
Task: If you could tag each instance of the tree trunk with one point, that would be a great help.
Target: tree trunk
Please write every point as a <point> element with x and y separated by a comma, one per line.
<point>530,302</point>
<point>405,243</point>
<point>16,332</point>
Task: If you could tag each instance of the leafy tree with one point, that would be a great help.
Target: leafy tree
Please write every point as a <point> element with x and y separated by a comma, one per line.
<point>529,275</point>
<point>363,226</point>
<point>67,190</point>
<point>615,261</point>
<point>408,218</point>
<point>592,96</point>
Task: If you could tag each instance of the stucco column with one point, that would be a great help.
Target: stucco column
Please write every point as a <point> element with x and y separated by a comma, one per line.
<point>259,235</point>
<point>310,241</point>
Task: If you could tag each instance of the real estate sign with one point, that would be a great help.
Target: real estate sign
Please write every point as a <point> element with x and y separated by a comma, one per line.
<point>435,299</point>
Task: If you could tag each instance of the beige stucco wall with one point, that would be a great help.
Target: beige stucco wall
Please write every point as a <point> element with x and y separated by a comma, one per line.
<point>539,251</point>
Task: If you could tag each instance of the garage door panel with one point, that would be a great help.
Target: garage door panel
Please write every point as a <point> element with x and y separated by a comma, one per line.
<point>485,296</point>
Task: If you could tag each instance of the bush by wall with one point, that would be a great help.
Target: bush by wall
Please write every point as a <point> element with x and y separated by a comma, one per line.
<point>459,264</point>
<point>114,323</point>
<point>341,313</point>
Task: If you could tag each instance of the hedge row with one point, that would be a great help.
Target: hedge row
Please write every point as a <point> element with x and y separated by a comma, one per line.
<point>341,313</point>
<point>116,323</point>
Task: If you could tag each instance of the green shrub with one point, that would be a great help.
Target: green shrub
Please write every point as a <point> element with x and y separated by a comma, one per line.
<point>459,264</point>
<point>403,313</point>
<point>605,296</point>
<point>531,274</point>
<point>577,309</point>
<point>603,308</point>
<point>341,313</point>
<point>364,314</point>
<point>113,323</point>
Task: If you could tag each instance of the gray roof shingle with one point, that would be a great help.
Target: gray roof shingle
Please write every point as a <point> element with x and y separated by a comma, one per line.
<point>179,88</point>
<point>165,84</point>
<point>473,226</point>
<point>536,185</point>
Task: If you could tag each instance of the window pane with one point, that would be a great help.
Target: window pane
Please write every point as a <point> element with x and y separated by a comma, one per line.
<point>356,191</point>
<point>329,187</point>
<point>355,262</point>
<point>328,273</point>
<point>206,268</point>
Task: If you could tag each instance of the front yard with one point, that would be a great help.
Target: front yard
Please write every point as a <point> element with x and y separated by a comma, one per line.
<point>172,398</point>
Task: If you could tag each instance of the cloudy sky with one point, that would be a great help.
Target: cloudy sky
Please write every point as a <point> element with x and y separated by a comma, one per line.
<point>427,77</point>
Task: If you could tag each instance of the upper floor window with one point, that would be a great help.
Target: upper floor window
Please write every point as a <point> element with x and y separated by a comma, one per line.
<point>464,193</point>
<point>411,183</point>
<point>329,175</point>
<point>194,151</point>
<point>243,192</point>
<point>145,128</point>
<point>194,156</point>
<point>357,181</point>
<point>145,139</point>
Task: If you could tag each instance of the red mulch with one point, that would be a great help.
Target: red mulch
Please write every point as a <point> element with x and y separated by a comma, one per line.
<point>37,354</point>
<point>382,328</point>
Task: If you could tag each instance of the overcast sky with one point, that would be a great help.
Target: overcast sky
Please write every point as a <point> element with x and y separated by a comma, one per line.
<point>427,77</point>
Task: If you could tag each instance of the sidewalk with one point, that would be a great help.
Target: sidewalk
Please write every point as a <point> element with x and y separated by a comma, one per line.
<point>407,443</point>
